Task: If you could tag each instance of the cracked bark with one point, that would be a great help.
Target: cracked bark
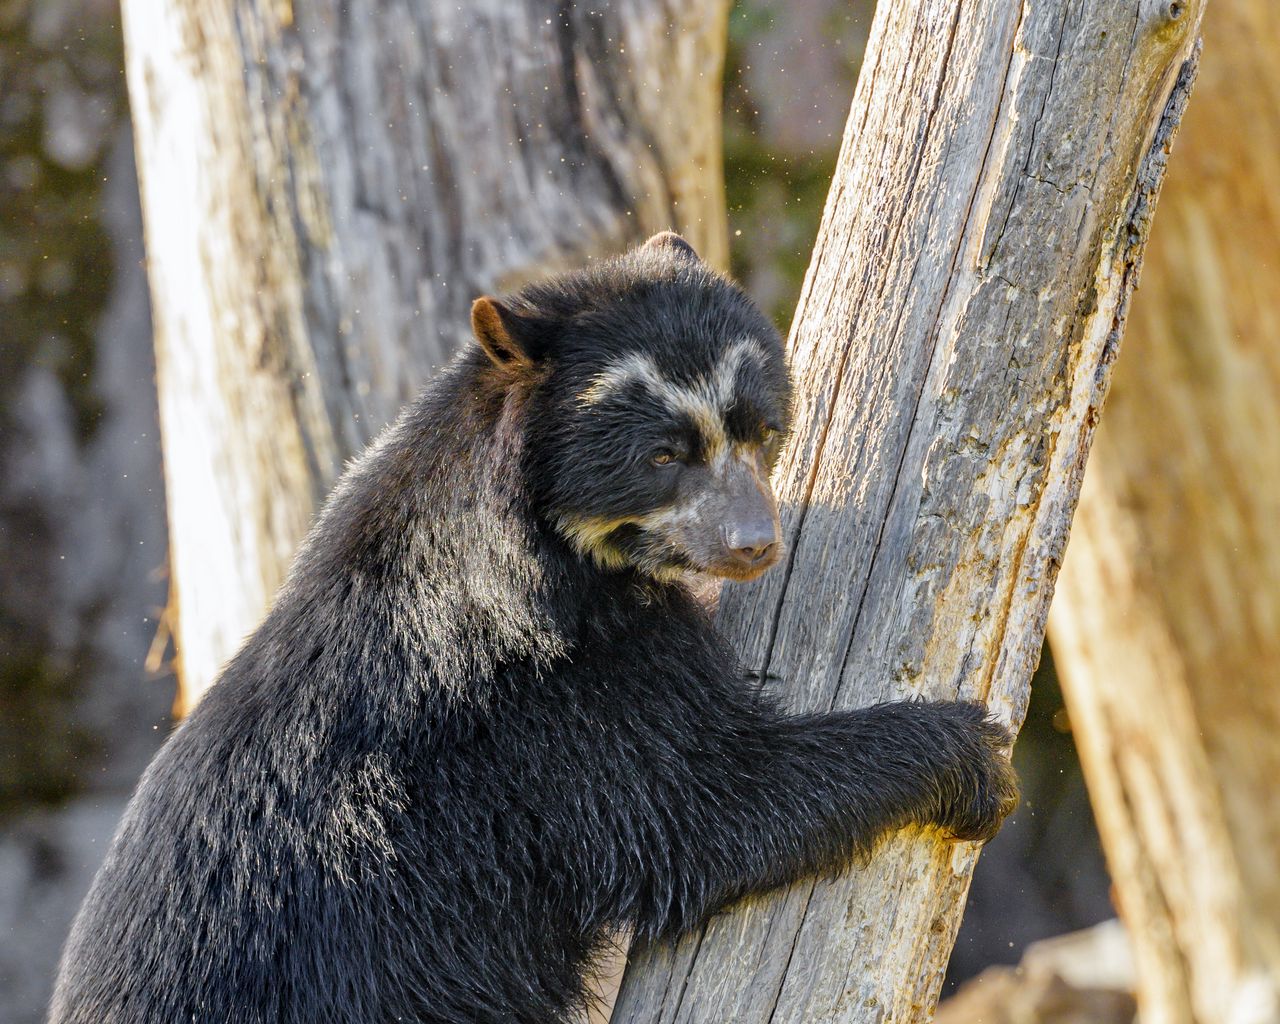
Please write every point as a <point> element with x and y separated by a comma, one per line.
<point>328,185</point>
<point>1166,628</point>
<point>952,348</point>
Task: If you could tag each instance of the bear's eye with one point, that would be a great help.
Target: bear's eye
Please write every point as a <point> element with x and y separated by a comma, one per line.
<point>664,457</point>
<point>769,436</point>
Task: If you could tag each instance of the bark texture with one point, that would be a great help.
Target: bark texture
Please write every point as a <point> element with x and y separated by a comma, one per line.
<point>328,185</point>
<point>1166,629</point>
<point>952,347</point>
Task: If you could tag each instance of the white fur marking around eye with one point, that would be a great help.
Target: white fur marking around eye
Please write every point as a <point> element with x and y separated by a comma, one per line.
<point>635,367</point>
<point>725,375</point>
<point>704,401</point>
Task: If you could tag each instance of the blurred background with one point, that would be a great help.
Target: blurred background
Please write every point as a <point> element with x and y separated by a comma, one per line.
<point>1168,616</point>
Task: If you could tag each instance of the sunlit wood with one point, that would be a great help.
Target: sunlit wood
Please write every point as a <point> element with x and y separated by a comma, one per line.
<point>1166,628</point>
<point>952,347</point>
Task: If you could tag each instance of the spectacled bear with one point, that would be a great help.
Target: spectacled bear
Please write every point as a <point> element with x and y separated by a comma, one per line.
<point>486,723</point>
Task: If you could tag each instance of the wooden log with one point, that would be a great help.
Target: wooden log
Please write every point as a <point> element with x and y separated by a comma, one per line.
<point>952,348</point>
<point>328,185</point>
<point>1166,627</point>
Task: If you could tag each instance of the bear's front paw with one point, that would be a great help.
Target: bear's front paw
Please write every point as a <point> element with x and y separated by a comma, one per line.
<point>976,785</point>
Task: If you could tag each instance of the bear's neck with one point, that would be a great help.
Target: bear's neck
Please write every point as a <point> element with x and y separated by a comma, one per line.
<point>427,559</point>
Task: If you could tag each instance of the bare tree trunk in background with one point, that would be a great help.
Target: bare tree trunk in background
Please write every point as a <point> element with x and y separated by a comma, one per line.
<point>1166,629</point>
<point>952,347</point>
<point>328,185</point>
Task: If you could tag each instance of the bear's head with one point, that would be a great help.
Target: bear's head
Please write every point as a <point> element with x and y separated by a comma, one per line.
<point>655,401</point>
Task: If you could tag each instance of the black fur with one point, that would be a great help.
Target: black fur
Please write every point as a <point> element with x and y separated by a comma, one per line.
<point>457,751</point>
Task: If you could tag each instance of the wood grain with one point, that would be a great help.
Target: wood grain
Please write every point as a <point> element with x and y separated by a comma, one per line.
<point>1166,628</point>
<point>952,348</point>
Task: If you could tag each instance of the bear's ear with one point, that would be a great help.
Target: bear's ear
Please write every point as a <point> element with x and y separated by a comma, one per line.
<point>672,243</point>
<point>500,333</point>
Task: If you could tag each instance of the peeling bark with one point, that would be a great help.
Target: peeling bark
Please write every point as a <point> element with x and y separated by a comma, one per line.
<point>952,348</point>
<point>328,185</point>
<point>1166,629</point>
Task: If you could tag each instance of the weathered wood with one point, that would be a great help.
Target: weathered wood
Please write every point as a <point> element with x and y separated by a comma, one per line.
<point>328,185</point>
<point>952,348</point>
<point>1166,627</point>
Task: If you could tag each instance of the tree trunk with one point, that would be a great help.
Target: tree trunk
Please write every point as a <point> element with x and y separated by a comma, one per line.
<point>952,347</point>
<point>328,185</point>
<point>1166,629</point>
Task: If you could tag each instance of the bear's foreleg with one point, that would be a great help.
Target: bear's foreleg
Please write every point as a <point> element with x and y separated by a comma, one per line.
<point>780,797</point>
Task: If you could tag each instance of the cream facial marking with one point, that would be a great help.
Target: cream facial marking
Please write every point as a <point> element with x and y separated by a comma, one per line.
<point>675,517</point>
<point>705,400</point>
<point>589,535</point>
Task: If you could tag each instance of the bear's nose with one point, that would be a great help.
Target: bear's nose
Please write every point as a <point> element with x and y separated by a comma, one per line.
<point>750,542</point>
